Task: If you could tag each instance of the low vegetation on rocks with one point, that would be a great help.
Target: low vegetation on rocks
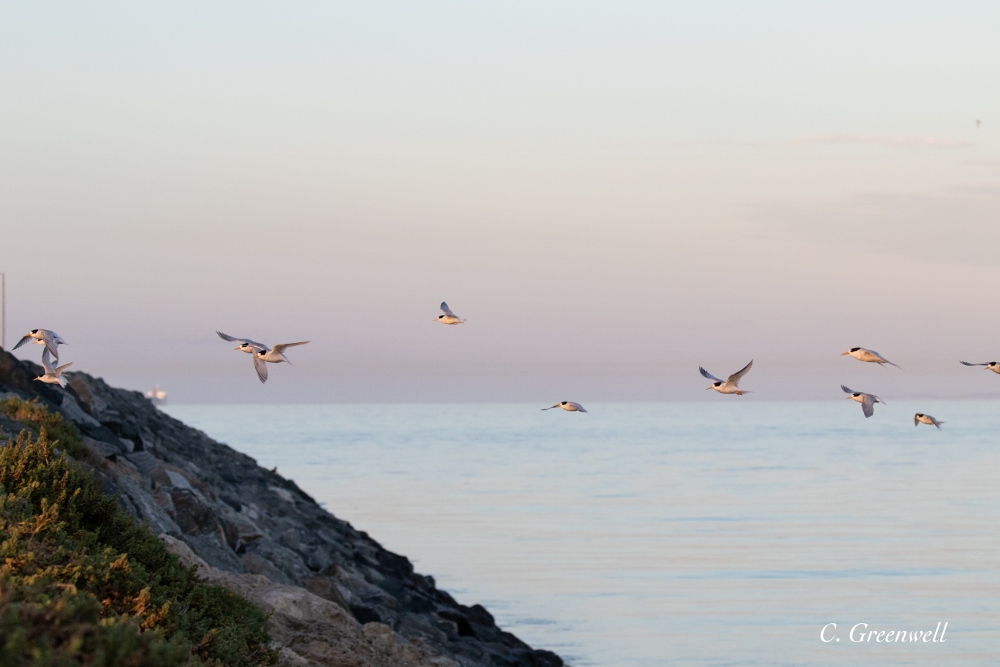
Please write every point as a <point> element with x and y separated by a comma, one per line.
<point>34,416</point>
<point>82,584</point>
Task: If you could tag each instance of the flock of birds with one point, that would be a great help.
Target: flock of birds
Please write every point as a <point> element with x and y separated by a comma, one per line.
<point>51,340</point>
<point>261,355</point>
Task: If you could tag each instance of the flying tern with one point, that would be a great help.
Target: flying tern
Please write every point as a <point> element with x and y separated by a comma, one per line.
<point>921,418</point>
<point>568,406</point>
<point>262,354</point>
<point>990,365</point>
<point>448,317</point>
<point>50,339</point>
<point>731,385</point>
<point>867,401</point>
<point>274,355</point>
<point>52,375</point>
<point>862,354</point>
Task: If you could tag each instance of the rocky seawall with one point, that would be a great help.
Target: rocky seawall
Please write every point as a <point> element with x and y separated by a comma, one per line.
<point>335,596</point>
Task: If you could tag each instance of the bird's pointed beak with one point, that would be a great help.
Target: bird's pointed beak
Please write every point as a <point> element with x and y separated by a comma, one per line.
<point>707,388</point>
<point>237,347</point>
<point>847,398</point>
<point>844,353</point>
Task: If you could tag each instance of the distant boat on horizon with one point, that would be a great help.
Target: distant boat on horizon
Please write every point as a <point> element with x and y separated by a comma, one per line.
<point>157,396</point>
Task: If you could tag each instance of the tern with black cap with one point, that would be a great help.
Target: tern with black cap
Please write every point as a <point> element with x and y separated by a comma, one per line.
<point>921,418</point>
<point>990,365</point>
<point>867,401</point>
<point>50,339</point>
<point>871,356</point>
<point>568,406</point>
<point>731,385</point>
<point>448,317</point>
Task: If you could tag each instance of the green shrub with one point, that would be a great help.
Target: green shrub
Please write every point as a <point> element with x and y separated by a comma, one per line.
<point>33,415</point>
<point>82,584</point>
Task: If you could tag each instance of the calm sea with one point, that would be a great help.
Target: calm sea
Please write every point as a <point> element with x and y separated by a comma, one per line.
<point>717,533</point>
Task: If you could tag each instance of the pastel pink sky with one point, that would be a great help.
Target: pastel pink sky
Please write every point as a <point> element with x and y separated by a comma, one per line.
<point>611,194</point>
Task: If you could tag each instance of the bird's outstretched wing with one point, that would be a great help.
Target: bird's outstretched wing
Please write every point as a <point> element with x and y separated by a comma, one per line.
<point>916,422</point>
<point>868,405</point>
<point>447,310</point>
<point>242,341</point>
<point>554,406</point>
<point>47,361</point>
<point>51,346</point>
<point>579,407</point>
<point>964,363</point>
<point>735,377</point>
<point>281,346</point>
<point>63,367</point>
<point>846,390</point>
<point>22,342</point>
<point>708,375</point>
<point>260,366</point>
<point>936,423</point>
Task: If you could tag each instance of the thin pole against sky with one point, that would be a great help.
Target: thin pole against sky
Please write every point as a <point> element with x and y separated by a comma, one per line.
<point>3,310</point>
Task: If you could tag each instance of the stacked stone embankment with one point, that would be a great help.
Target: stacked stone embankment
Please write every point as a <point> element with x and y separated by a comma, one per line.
<point>335,596</point>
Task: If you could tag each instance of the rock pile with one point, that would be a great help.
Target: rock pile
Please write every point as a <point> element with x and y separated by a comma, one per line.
<point>336,597</point>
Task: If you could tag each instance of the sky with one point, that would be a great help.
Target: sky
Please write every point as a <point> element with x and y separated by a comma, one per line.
<point>612,194</point>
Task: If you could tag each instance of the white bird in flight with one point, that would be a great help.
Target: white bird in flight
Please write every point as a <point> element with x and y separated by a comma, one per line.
<point>990,365</point>
<point>448,317</point>
<point>276,355</point>
<point>568,406</point>
<point>867,401</point>
<point>52,375</point>
<point>731,385</point>
<point>262,354</point>
<point>50,339</point>
<point>921,418</point>
<point>862,354</point>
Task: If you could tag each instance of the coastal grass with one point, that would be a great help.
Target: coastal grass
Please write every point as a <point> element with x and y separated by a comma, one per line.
<point>81,583</point>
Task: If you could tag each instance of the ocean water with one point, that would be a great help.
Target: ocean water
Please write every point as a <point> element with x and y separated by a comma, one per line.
<point>727,532</point>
